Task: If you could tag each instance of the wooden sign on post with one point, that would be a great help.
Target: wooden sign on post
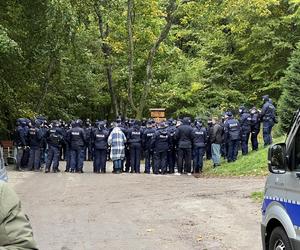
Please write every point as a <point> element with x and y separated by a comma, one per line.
<point>158,114</point>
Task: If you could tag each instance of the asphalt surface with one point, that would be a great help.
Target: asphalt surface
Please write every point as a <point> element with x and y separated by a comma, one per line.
<point>71,211</point>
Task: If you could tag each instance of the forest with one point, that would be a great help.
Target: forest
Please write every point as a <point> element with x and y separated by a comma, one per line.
<point>100,59</point>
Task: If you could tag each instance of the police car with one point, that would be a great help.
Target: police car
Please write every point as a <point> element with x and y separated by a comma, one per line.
<point>280,227</point>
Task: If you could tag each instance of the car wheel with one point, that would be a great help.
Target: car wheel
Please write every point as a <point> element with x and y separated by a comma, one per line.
<point>279,240</point>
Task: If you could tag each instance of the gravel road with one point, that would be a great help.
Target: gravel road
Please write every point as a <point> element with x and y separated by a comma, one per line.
<point>137,211</point>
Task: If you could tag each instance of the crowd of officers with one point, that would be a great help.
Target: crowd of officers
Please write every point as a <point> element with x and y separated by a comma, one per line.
<point>165,146</point>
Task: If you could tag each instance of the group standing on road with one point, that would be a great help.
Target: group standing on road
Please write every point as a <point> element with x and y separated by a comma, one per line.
<point>164,146</point>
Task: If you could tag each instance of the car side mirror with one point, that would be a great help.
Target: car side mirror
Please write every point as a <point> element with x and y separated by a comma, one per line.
<point>277,158</point>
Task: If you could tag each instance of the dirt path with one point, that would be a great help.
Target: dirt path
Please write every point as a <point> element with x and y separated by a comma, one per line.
<point>129,211</point>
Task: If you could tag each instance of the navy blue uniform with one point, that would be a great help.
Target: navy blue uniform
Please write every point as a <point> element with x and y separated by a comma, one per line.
<point>54,138</point>
<point>34,140</point>
<point>160,145</point>
<point>245,123</point>
<point>21,135</point>
<point>99,143</point>
<point>232,133</point>
<point>135,147</point>
<point>199,143</point>
<point>77,140</point>
<point>88,146</point>
<point>268,119</point>
<point>255,128</point>
<point>172,150</point>
<point>148,152</point>
<point>184,137</point>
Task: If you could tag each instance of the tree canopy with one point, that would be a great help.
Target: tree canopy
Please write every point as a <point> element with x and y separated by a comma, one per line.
<point>98,58</point>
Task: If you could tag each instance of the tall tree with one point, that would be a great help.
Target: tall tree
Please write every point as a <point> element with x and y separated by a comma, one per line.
<point>290,98</point>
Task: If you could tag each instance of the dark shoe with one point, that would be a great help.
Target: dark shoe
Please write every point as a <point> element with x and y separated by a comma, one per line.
<point>47,170</point>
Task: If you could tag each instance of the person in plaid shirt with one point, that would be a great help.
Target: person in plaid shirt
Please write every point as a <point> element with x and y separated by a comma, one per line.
<point>117,140</point>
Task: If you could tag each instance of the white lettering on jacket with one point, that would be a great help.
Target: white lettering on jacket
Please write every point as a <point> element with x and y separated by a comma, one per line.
<point>75,133</point>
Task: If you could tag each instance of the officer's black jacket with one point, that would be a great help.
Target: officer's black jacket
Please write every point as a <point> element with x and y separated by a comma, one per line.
<point>21,136</point>
<point>232,129</point>
<point>54,136</point>
<point>99,138</point>
<point>199,137</point>
<point>255,122</point>
<point>76,137</point>
<point>34,137</point>
<point>184,136</point>
<point>134,136</point>
<point>147,138</point>
<point>161,140</point>
<point>245,122</point>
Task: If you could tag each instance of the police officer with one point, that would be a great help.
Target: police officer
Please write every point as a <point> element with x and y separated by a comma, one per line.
<point>199,143</point>
<point>99,143</point>
<point>172,149</point>
<point>184,137</point>
<point>232,133</point>
<point>161,144</point>
<point>148,151</point>
<point>268,118</point>
<point>34,141</point>
<point>54,138</point>
<point>77,140</point>
<point>245,123</point>
<point>135,146</point>
<point>128,126</point>
<point>21,135</point>
<point>208,145</point>
<point>88,147</point>
<point>255,127</point>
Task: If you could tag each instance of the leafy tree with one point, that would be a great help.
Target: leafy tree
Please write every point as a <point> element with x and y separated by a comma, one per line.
<point>290,99</point>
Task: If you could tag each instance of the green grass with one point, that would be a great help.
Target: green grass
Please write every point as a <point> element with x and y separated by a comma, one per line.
<point>257,196</point>
<point>254,164</point>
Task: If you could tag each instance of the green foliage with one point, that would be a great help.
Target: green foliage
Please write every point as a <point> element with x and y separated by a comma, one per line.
<point>289,102</point>
<point>217,55</point>
<point>258,196</point>
<point>253,164</point>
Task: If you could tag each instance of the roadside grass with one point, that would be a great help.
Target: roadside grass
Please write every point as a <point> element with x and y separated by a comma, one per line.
<point>253,164</point>
<point>258,196</point>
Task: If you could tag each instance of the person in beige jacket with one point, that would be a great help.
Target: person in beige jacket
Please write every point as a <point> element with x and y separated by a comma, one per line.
<point>15,230</point>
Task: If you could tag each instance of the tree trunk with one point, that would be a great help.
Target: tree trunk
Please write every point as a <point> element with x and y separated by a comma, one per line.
<point>171,8</point>
<point>104,32</point>
<point>46,82</point>
<point>130,53</point>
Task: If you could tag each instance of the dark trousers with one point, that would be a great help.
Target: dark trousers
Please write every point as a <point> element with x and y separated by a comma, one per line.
<point>68,158</point>
<point>77,158</point>
<point>20,153</point>
<point>127,157</point>
<point>208,151</point>
<point>53,158</point>
<point>171,160</point>
<point>244,142</point>
<point>254,140</point>
<point>184,155</point>
<point>160,162</point>
<point>233,146</point>
<point>135,158</point>
<point>100,160</point>
<point>198,159</point>
<point>34,158</point>
<point>148,160</point>
<point>267,132</point>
